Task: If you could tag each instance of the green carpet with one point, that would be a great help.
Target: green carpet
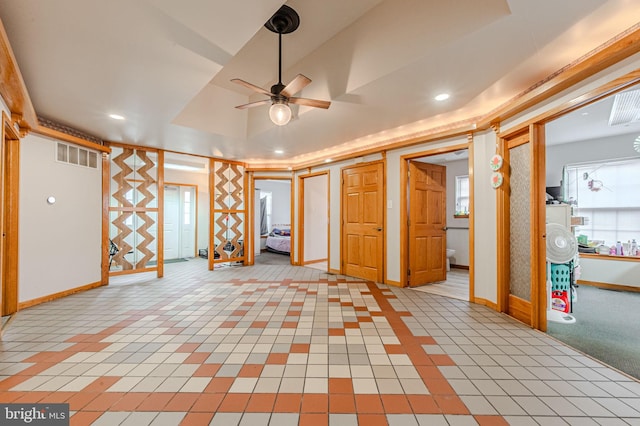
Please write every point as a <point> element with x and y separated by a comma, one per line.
<point>607,327</point>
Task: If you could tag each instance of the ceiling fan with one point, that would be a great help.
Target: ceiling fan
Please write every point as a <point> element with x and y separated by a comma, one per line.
<point>284,21</point>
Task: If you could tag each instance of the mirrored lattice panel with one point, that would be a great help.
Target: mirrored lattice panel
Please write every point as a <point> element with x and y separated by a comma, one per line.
<point>133,240</point>
<point>228,233</point>
<point>134,176</point>
<point>133,209</point>
<point>228,212</point>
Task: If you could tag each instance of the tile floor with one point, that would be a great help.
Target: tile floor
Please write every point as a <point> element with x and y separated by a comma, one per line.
<point>281,345</point>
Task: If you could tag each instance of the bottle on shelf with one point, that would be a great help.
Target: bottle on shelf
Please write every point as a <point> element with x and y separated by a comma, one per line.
<point>619,250</point>
<point>634,248</point>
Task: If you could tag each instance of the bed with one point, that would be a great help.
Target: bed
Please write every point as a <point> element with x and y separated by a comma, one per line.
<point>279,239</point>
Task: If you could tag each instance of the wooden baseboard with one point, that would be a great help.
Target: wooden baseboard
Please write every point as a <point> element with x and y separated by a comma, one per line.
<point>334,271</point>
<point>485,302</point>
<point>393,283</point>
<point>607,286</point>
<point>460,266</point>
<point>309,262</point>
<point>49,298</point>
<point>520,309</point>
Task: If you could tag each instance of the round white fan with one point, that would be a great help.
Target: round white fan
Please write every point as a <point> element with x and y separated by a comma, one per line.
<point>562,247</point>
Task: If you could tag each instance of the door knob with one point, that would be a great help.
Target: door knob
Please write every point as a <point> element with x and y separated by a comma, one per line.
<point>444,228</point>
<point>378,229</point>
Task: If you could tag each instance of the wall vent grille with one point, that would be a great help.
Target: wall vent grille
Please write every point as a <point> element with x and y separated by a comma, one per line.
<point>71,154</point>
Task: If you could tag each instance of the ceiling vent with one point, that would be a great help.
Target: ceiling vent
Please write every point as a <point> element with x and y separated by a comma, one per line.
<point>625,109</point>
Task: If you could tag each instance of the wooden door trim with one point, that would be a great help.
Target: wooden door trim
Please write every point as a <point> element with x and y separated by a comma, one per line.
<point>404,187</point>
<point>382,161</point>
<point>538,228</point>
<point>502,230</point>
<point>300,204</point>
<point>106,199</point>
<point>251,180</point>
<point>10,157</point>
<point>472,291</point>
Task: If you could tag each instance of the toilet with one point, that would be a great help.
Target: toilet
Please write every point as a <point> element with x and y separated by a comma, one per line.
<point>450,254</point>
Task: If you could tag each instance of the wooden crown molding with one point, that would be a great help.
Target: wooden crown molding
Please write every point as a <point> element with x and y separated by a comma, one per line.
<point>12,88</point>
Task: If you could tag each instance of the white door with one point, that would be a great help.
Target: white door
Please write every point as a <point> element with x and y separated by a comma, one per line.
<point>171,222</point>
<point>188,221</point>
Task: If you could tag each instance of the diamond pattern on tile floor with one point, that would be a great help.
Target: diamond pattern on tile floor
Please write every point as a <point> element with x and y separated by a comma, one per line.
<point>295,346</point>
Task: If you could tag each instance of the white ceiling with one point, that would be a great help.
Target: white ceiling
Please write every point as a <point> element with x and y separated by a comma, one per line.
<point>166,66</point>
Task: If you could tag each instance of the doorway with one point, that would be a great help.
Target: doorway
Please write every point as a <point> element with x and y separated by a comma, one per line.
<point>180,223</point>
<point>313,234</point>
<point>591,169</point>
<point>438,203</point>
<point>272,221</point>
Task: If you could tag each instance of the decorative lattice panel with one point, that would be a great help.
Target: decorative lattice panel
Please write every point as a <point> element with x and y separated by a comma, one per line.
<point>133,209</point>
<point>228,212</point>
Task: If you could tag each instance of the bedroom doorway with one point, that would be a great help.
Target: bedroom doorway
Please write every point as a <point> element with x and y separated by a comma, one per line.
<point>313,221</point>
<point>273,243</point>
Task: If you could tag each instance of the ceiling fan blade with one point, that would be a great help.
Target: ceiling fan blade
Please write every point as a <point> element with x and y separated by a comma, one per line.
<point>252,87</point>
<point>310,102</point>
<point>254,104</point>
<point>296,85</point>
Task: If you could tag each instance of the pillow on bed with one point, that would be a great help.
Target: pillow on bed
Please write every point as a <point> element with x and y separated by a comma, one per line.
<point>276,231</point>
<point>285,232</point>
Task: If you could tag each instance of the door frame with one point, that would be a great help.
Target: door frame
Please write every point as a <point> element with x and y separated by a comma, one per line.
<point>252,219</point>
<point>404,188</point>
<point>195,213</point>
<point>535,126</point>
<point>301,181</point>
<point>9,191</point>
<point>382,161</point>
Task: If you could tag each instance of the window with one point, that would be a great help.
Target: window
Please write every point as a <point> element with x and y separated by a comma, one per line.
<point>607,194</point>
<point>187,208</point>
<point>462,197</point>
<point>267,196</point>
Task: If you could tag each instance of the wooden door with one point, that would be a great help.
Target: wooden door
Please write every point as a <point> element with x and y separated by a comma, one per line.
<point>362,221</point>
<point>427,223</point>
<point>171,222</point>
<point>521,228</point>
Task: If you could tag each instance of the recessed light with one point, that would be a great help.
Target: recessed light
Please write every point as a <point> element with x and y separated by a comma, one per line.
<point>279,151</point>
<point>116,116</point>
<point>442,97</point>
<point>328,160</point>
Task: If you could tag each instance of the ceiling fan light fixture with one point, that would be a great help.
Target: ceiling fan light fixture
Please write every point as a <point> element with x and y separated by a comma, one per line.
<point>280,113</point>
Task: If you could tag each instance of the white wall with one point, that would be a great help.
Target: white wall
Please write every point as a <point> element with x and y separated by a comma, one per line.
<point>619,146</point>
<point>315,218</point>
<point>458,228</point>
<point>610,271</point>
<point>202,215</point>
<point>280,199</point>
<point>60,244</point>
